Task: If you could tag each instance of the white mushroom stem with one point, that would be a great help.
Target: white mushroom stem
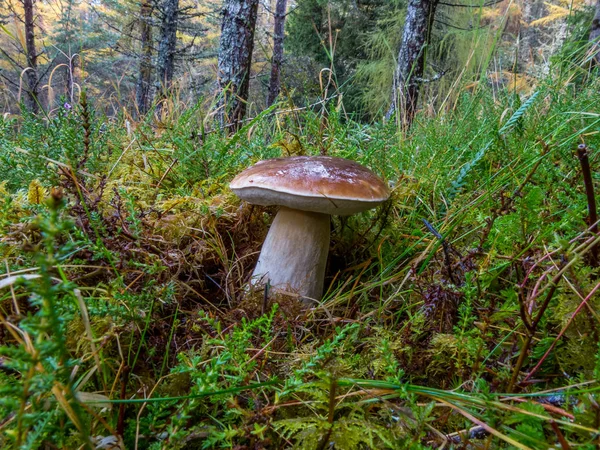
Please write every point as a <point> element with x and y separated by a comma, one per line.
<point>294,254</point>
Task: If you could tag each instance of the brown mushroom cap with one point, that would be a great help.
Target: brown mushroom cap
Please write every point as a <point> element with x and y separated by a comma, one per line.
<point>312,183</point>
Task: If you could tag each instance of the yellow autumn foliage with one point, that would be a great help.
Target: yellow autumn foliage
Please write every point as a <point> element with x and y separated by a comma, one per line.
<point>514,82</point>
<point>36,193</point>
<point>3,190</point>
<point>557,12</point>
<point>508,10</point>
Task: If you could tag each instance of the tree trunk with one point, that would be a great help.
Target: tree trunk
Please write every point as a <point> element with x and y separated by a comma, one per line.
<point>31,53</point>
<point>167,46</point>
<point>235,58</point>
<point>67,38</point>
<point>595,34</point>
<point>69,67</point>
<point>278,34</point>
<point>411,59</point>
<point>144,81</point>
<point>71,77</point>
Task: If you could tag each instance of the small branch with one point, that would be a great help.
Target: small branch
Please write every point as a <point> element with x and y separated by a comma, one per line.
<point>564,445</point>
<point>551,289</point>
<point>8,80</point>
<point>485,5</point>
<point>582,154</point>
<point>562,332</point>
<point>49,66</point>
<point>436,77</point>
<point>459,28</point>
<point>10,58</point>
<point>445,247</point>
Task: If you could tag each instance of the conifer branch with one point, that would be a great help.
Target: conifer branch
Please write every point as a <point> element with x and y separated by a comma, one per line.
<point>485,5</point>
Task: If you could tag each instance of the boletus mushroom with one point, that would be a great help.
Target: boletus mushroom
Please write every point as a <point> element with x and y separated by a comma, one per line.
<point>308,189</point>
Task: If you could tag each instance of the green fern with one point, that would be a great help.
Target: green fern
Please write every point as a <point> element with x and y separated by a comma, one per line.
<point>39,431</point>
<point>351,432</point>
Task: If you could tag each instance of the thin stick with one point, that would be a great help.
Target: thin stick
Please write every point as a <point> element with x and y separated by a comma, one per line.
<point>582,155</point>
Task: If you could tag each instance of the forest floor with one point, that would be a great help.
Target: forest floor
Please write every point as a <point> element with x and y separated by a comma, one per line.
<point>461,314</point>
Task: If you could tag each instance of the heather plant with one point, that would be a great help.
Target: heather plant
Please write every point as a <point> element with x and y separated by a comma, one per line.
<point>42,401</point>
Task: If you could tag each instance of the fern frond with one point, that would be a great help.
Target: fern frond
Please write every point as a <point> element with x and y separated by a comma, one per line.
<point>37,433</point>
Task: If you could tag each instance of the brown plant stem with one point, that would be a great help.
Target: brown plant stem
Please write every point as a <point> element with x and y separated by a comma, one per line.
<point>582,155</point>
<point>85,123</point>
<point>562,332</point>
<point>530,323</point>
<point>531,326</point>
<point>564,445</point>
<point>520,362</point>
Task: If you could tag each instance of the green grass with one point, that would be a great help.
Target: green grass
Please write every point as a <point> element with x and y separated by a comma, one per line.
<point>137,256</point>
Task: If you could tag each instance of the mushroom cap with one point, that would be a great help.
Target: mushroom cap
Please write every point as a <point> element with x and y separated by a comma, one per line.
<point>311,183</point>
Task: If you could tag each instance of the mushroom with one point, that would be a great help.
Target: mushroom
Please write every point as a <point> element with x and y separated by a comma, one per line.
<point>309,189</point>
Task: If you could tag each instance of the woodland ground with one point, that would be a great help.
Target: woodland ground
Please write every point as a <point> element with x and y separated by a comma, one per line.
<point>468,300</point>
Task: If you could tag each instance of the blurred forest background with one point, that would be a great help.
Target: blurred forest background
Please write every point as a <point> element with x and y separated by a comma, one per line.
<point>127,53</point>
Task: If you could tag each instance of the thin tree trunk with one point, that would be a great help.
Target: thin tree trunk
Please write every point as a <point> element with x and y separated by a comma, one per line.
<point>31,53</point>
<point>595,34</point>
<point>411,59</point>
<point>70,60</point>
<point>144,81</point>
<point>235,58</point>
<point>278,35</point>
<point>167,46</point>
<point>71,76</point>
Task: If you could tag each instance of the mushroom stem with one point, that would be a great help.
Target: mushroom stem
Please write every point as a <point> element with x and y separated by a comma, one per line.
<point>294,254</point>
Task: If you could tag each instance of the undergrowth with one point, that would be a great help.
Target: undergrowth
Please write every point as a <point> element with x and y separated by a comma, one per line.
<point>463,313</point>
